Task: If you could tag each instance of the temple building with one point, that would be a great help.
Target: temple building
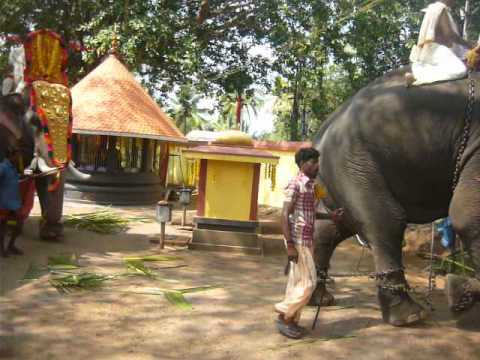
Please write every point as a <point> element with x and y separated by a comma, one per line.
<point>122,138</point>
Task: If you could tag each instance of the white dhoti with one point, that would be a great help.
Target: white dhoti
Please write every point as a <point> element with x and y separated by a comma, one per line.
<point>439,63</point>
<point>302,280</point>
<point>431,61</point>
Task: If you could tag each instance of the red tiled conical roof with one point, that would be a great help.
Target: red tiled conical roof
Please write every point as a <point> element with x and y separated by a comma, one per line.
<point>110,101</point>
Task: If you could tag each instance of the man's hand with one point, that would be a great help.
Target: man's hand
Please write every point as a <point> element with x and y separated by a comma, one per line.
<point>337,215</point>
<point>292,254</point>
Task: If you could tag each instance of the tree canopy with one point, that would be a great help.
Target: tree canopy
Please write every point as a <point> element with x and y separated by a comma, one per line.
<point>320,52</point>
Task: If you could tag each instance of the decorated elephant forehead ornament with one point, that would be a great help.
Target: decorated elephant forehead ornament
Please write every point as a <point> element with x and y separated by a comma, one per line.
<point>45,72</point>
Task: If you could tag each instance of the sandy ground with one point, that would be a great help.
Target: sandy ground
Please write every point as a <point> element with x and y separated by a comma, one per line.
<point>234,321</point>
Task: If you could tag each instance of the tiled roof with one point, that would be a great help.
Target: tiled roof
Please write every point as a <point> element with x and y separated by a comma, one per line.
<point>110,101</point>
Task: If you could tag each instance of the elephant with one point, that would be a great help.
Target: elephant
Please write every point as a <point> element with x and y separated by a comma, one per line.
<point>388,158</point>
<point>20,126</point>
<point>47,112</point>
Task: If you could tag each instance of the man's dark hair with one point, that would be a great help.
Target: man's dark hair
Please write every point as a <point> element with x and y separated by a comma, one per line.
<point>11,150</point>
<point>306,154</point>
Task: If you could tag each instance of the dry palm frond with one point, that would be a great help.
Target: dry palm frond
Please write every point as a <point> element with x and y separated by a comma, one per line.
<point>198,289</point>
<point>152,258</point>
<point>82,281</point>
<point>103,221</point>
<point>63,262</point>
<point>34,272</point>
<point>455,263</point>
<point>176,298</point>
<point>138,267</point>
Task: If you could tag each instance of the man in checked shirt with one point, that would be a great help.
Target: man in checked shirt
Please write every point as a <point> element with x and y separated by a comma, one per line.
<point>298,219</point>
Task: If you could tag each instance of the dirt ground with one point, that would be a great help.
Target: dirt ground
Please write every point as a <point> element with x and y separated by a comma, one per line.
<point>233,321</point>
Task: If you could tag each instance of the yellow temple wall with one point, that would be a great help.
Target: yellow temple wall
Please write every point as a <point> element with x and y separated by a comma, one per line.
<point>285,171</point>
<point>228,191</point>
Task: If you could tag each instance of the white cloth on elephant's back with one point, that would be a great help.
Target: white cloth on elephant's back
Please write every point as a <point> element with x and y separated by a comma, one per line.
<point>432,62</point>
<point>302,280</point>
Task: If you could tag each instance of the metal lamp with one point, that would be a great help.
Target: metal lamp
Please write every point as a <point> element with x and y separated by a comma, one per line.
<point>185,198</point>
<point>164,215</point>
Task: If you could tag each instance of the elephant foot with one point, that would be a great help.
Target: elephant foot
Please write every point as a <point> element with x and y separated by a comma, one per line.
<point>51,232</point>
<point>321,297</point>
<point>462,292</point>
<point>399,309</point>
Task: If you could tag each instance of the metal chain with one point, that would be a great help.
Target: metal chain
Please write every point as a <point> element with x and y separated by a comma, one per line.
<point>466,129</point>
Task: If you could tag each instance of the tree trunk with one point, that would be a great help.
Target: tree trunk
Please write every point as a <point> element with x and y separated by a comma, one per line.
<point>238,113</point>
<point>295,109</point>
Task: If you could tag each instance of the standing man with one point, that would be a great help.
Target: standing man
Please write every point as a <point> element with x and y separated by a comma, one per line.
<point>440,51</point>
<point>10,201</point>
<point>298,219</point>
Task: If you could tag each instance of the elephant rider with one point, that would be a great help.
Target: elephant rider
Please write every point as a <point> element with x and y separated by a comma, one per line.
<point>298,218</point>
<point>440,51</point>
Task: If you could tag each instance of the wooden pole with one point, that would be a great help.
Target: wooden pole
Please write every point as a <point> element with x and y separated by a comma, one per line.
<point>162,235</point>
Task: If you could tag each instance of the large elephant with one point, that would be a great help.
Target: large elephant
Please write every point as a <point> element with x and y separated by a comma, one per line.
<point>42,82</point>
<point>20,126</point>
<point>388,158</point>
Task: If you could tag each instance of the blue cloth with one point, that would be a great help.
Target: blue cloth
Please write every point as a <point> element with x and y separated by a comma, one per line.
<point>9,189</point>
<point>445,228</point>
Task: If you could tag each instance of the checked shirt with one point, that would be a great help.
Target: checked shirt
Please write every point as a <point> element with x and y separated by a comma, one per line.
<point>302,192</point>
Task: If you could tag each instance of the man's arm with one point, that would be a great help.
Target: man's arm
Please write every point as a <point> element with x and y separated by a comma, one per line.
<point>335,215</point>
<point>287,210</point>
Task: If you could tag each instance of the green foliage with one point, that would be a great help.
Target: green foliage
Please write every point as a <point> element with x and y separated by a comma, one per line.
<point>323,51</point>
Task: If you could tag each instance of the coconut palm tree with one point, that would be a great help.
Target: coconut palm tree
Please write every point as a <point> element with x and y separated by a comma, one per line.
<point>185,109</point>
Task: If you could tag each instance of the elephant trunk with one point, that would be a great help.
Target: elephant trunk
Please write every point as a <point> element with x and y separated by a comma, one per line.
<point>77,174</point>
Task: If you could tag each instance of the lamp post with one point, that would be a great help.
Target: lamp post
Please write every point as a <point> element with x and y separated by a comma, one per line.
<point>185,198</point>
<point>164,214</point>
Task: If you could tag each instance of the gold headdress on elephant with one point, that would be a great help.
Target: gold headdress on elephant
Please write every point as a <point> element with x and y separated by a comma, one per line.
<point>45,71</point>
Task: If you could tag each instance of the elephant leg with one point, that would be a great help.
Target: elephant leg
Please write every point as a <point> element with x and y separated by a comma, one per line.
<point>380,220</point>
<point>327,237</point>
<point>51,203</point>
<point>464,291</point>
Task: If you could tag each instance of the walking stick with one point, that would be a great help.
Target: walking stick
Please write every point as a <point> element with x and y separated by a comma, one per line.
<point>318,311</point>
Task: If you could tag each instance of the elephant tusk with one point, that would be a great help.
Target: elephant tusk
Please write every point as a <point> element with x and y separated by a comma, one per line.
<point>44,168</point>
<point>77,173</point>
